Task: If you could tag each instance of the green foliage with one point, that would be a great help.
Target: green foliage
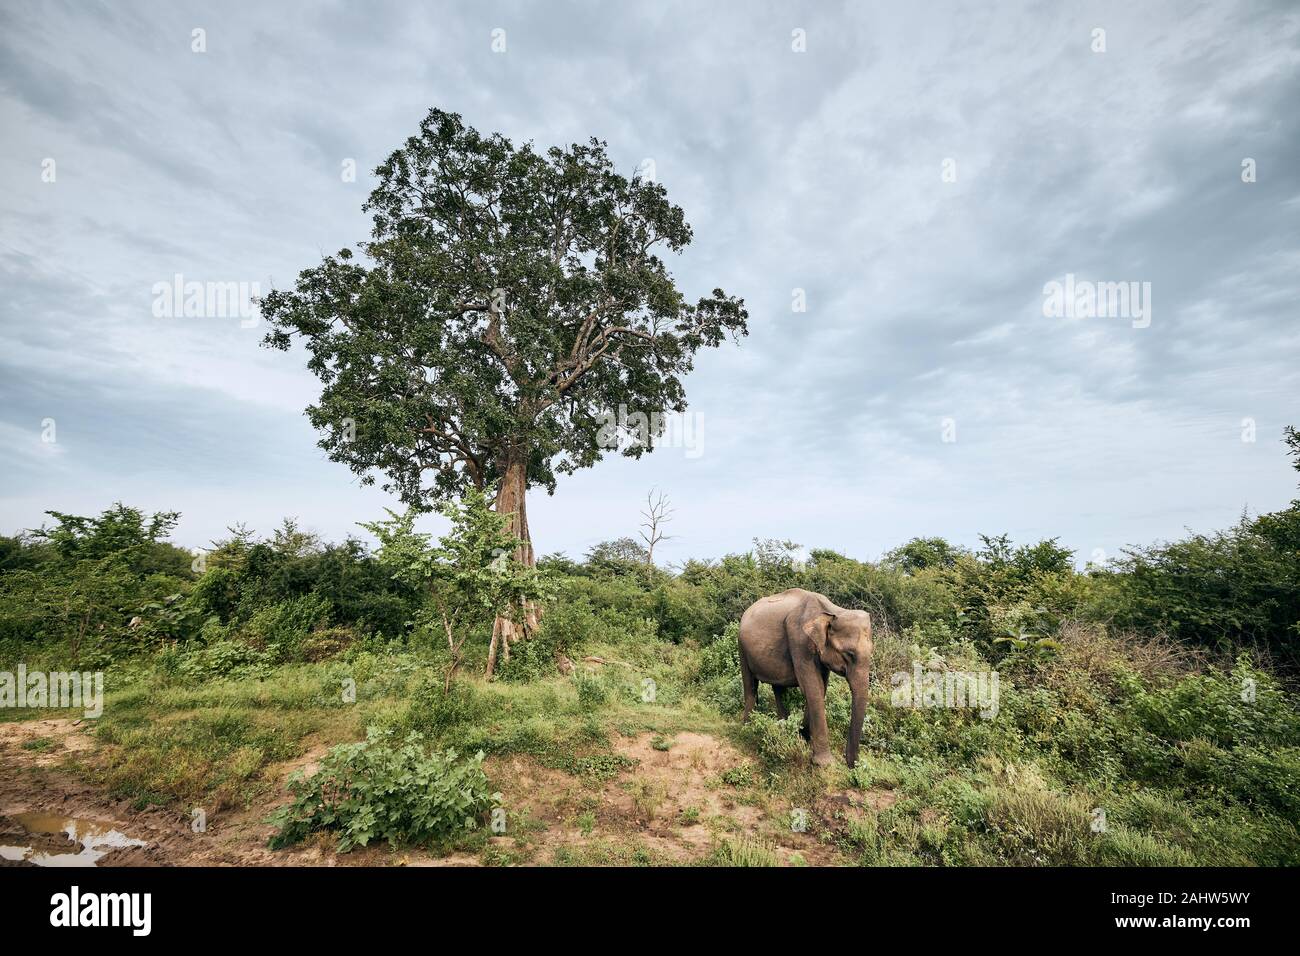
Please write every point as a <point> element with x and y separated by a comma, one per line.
<point>220,659</point>
<point>171,619</point>
<point>920,554</point>
<point>472,565</point>
<point>1020,593</point>
<point>620,556</point>
<point>511,286</point>
<point>718,671</point>
<point>739,776</point>
<point>436,708</point>
<point>214,754</point>
<point>681,610</point>
<point>106,588</point>
<point>1193,757</point>
<point>598,766</point>
<point>77,604</point>
<point>120,532</point>
<point>1025,643</point>
<point>282,628</point>
<point>592,692</point>
<point>778,742</point>
<point>216,593</point>
<point>384,790</point>
<point>471,577</point>
<point>244,576</point>
<point>568,625</point>
<point>1240,586</point>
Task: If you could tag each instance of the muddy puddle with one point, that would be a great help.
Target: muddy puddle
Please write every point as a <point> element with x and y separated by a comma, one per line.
<point>47,839</point>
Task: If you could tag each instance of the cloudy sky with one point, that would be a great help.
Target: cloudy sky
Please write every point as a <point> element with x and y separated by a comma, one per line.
<point>920,173</point>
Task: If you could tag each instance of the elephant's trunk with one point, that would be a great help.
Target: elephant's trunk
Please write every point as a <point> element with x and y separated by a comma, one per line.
<point>859,684</point>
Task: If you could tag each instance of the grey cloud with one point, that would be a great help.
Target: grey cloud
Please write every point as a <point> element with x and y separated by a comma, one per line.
<point>816,170</point>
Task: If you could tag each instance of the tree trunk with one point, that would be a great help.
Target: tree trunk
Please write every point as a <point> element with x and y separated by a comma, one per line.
<point>511,500</point>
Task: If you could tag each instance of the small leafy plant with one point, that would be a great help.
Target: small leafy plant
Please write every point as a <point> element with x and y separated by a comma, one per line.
<point>740,776</point>
<point>1026,643</point>
<point>379,789</point>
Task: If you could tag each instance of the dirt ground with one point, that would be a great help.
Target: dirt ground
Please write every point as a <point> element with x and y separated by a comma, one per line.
<point>39,782</point>
<point>669,807</point>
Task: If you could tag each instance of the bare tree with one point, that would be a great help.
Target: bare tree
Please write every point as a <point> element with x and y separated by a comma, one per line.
<point>657,514</point>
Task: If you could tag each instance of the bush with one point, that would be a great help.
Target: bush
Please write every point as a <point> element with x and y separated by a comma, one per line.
<point>378,789</point>
<point>778,742</point>
<point>682,610</point>
<point>591,690</point>
<point>1270,779</point>
<point>326,643</point>
<point>434,709</point>
<point>221,659</point>
<point>216,593</point>
<point>1238,708</point>
<point>567,625</point>
<point>281,628</point>
<point>1240,586</point>
<point>718,671</point>
<point>530,660</point>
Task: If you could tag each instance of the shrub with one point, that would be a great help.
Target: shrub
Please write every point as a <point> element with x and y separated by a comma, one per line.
<point>592,692</point>
<point>326,643</point>
<point>1242,707</point>
<point>222,659</point>
<point>566,626</point>
<point>1218,590</point>
<point>216,593</point>
<point>281,628</point>
<point>718,671</point>
<point>530,660</point>
<point>1270,779</point>
<point>435,709</point>
<point>378,789</point>
<point>682,610</point>
<point>778,742</point>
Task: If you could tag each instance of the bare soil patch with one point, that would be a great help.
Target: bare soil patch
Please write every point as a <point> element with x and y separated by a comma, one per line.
<point>44,743</point>
<point>671,806</point>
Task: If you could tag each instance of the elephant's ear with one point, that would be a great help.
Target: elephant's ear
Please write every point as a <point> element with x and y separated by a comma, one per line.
<point>814,626</point>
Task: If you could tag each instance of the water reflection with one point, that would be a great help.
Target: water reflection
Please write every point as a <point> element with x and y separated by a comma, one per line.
<point>90,840</point>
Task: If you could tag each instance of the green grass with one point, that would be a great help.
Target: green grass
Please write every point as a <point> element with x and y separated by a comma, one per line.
<point>741,852</point>
<point>1181,772</point>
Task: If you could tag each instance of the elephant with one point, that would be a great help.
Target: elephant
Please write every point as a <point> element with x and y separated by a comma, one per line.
<point>796,638</point>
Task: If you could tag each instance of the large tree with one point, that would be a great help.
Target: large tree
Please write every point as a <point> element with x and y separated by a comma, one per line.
<point>507,308</point>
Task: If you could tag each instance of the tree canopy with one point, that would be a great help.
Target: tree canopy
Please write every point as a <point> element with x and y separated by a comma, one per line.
<point>506,302</point>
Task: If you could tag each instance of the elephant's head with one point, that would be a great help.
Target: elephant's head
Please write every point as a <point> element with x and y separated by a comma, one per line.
<point>842,640</point>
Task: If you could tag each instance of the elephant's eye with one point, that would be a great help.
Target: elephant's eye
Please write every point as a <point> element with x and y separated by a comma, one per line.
<point>851,656</point>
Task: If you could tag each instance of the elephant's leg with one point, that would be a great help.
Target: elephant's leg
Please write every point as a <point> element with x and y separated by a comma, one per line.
<point>778,693</point>
<point>813,684</point>
<point>750,686</point>
<point>805,731</point>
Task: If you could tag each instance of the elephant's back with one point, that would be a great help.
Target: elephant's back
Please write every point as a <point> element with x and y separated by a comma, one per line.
<point>765,614</point>
<point>779,604</point>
